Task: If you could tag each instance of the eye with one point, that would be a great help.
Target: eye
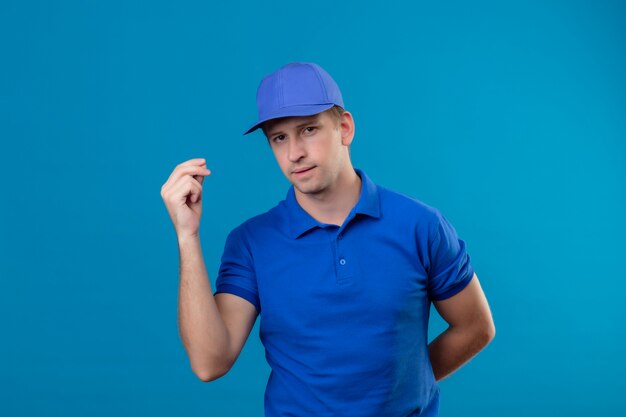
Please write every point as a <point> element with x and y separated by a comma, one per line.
<point>310,129</point>
<point>278,138</point>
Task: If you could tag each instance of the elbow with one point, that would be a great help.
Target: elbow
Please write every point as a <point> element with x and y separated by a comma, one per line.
<point>208,375</point>
<point>489,332</point>
<point>210,372</point>
<point>482,333</point>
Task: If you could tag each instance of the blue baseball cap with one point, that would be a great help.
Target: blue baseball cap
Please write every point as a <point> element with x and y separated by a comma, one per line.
<point>296,89</point>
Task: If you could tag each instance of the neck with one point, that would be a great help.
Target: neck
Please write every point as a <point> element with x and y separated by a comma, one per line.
<point>334,204</point>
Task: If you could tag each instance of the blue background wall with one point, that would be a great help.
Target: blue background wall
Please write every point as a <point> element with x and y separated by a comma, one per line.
<point>507,116</point>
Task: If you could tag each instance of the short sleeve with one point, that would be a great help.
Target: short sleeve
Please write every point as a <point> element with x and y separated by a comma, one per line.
<point>236,274</point>
<point>450,270</point>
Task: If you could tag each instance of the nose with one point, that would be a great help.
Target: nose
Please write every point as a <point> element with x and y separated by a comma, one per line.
<point>296,150</point>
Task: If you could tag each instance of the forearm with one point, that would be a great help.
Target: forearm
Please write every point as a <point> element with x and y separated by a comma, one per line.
<point>202,329</point>
<point>454,347</point>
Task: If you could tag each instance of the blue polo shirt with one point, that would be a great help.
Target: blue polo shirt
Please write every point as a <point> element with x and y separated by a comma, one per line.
<point>344,310</point>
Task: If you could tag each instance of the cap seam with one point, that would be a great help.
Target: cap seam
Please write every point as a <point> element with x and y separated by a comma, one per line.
<point>319,78</point>
<point>280,87</point>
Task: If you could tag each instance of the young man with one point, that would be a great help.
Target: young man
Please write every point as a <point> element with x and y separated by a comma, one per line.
<point>342,273</point>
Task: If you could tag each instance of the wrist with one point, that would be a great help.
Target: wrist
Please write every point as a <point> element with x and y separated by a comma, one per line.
<point>188,238</point>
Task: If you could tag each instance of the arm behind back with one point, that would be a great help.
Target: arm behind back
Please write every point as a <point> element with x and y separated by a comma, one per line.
<point>468,309</point>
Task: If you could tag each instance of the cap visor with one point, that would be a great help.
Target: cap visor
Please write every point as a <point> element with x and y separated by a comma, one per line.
<point>305,110</point>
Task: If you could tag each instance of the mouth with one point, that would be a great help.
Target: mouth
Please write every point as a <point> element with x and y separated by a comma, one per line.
<point>302,171</point>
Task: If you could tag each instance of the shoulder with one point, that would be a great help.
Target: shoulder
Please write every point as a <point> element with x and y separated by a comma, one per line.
<point>262,223</point>
<point>397,204</point>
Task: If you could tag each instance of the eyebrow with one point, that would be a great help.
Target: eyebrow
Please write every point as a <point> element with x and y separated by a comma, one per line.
<point>308,121</point>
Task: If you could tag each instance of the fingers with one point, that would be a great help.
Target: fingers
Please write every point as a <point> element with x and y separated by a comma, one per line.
<point>193,167</point>
<point>194,161</point>
<point>187,187</point>
<point>180,171</point>
<point>195,191</point>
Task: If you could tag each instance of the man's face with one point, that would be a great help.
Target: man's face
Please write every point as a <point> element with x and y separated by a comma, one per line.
<point>311,150</point>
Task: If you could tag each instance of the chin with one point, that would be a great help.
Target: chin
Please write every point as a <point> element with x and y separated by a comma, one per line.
<point>309,189</point>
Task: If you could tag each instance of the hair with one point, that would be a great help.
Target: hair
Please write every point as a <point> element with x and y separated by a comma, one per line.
<point>335,112</point>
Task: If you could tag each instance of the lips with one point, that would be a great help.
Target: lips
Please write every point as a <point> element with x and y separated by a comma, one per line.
<point>303,170</point>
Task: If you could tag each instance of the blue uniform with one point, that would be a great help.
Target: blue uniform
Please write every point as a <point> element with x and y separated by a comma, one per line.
<point>344,310</point>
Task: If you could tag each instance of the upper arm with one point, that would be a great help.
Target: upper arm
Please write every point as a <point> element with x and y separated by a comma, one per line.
<point>468,308</point>
<point>236,294</point>
<point>239,316</point>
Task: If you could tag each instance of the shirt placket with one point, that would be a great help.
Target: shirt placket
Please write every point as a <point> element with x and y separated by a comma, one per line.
<point>344,261</point>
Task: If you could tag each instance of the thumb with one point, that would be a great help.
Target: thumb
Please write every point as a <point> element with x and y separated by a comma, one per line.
<point>198,178</point>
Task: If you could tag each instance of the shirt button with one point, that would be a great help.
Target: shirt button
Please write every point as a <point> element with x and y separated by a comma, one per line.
<point>342,261</point>
<point>340,236</point>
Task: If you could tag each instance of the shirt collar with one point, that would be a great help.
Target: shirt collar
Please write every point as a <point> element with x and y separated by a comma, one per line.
<point>300,221</point>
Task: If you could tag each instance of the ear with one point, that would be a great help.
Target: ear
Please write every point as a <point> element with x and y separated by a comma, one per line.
<point>346,127</point>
